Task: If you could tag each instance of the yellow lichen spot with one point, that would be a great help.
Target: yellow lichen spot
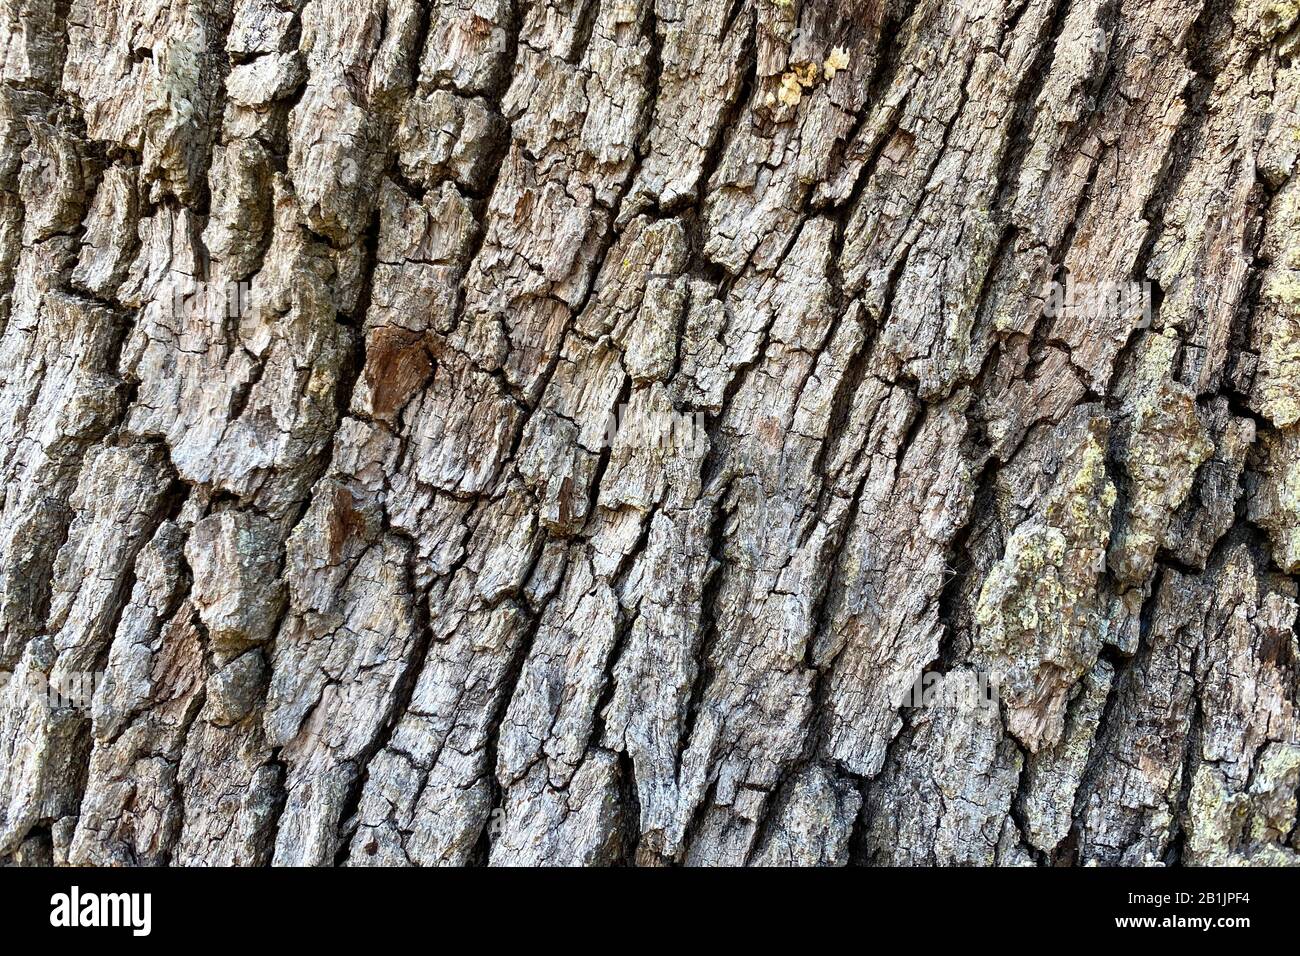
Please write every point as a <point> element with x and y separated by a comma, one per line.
<point>795,80</point>
<point>838,60</point>
<point>1277,17</point>
<point>790,92</point>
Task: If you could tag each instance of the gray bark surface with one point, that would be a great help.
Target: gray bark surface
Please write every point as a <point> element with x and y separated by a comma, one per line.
<point>368,574</point>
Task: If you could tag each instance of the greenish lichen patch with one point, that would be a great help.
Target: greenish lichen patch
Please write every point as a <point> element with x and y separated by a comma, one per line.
<point>1039,630</point>
<point>1276,323</point>
<point>1275,501</point>
<point>1166,443</point>
<point>1227,827</point>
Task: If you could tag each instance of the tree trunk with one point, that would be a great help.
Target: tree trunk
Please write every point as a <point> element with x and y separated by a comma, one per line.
<point>646,431</point>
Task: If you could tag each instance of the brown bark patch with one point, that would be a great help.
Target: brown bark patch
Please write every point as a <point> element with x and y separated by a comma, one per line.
<point>397,366</point>
<point>344,522</point>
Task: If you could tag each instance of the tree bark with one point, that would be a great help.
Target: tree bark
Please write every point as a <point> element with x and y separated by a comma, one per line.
<point>568,431</point>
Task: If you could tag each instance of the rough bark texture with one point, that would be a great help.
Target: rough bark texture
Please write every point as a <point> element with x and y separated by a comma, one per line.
<point>372,579</point>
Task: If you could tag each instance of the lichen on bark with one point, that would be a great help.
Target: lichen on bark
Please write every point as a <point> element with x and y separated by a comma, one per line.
<point>568,431</point>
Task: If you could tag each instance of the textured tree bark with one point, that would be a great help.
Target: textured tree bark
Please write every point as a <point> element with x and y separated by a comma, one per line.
<point>567,431</point>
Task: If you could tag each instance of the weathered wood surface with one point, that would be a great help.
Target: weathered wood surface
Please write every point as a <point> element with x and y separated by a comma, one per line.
<point>372,578</point>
